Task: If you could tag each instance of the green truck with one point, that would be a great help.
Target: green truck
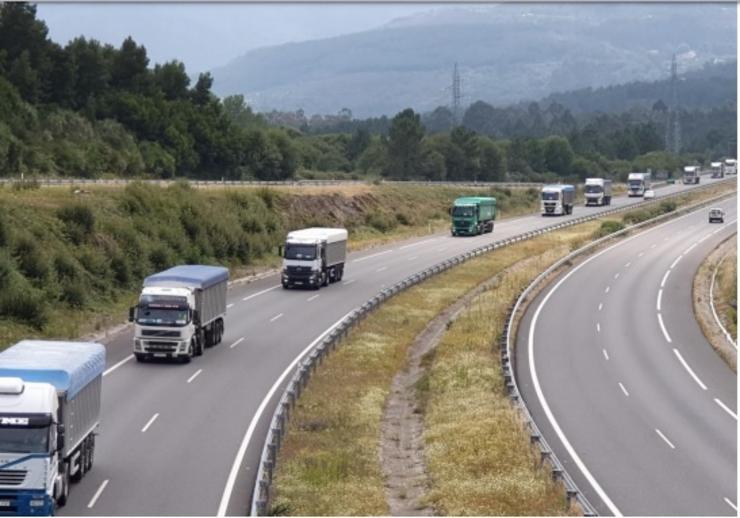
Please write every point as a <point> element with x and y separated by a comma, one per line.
<point>473,215</point>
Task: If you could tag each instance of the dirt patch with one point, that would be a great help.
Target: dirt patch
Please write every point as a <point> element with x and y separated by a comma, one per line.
<point>402,425</point>
<point>702,309</point>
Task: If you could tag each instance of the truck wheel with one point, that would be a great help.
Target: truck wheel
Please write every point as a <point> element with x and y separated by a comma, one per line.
<point>219,331</point>
<point>325,279</point>
<point>198,351</point>
<point>341,273</point>
<point>141,358</point>
<point>64,495</point>
<point>90,452</point>
<point>191,352</point>
<point>210,337</point>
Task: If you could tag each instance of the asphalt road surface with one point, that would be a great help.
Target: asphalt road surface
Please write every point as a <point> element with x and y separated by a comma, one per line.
<point>620,380</point>
<point>185,439</point>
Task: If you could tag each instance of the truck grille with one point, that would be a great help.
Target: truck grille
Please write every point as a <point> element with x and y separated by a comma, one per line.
<point>157,332</point>
<point>298,272</point>
<point>164,347</point>
<point>12,477</point>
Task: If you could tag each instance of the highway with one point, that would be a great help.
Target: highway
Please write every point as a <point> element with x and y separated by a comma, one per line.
<point>620,380</point>
<point>185,439</point>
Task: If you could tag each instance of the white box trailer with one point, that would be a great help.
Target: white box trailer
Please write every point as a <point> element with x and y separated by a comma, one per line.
<point>180,312</point>
<point>314,257</point>
<point>50,398</point>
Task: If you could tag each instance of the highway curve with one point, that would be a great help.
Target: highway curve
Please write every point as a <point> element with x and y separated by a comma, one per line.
<point>622,383</point>
<point>186,439</point>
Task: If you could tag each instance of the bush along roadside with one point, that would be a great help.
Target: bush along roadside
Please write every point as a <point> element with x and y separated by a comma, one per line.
<point>306,481</point>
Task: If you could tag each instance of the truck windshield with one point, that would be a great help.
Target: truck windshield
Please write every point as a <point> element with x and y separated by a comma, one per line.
<point>465,211</point>
<point>24,440</point>
<point>302,252</point>
<point>152,316</point>
<point>635,184</point>
<point>550,196</point>
<point>594,189</point>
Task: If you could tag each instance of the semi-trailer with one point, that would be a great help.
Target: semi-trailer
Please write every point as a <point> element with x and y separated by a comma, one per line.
<point>730,166</point>
<point>314,257</point>
<point>691,174</point>
<point>717,169</point>
<point>180,312</point>
<point>50,395</point>
<point>637,184</point>
<point>473,215</point>
<point>598,191</point>
<point>557,199</point>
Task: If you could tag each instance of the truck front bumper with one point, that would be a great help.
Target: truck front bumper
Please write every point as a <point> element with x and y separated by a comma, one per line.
<point>161,348</point>
<point>26,502</point>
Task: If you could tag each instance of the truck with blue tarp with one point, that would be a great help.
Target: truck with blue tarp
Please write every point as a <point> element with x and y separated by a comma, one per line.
<point>180,312</point>
<point>50,395</point>
<point>473,215</point>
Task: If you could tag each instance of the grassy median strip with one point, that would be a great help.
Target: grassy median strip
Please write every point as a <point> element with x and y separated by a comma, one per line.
<point>725,297</point>
<point>329,462</point>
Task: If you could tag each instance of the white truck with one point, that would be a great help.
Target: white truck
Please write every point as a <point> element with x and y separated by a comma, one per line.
<point>598,191</point>
<point>638,183</point>
<point>730,166</point>
<point>557,199</point>
<point>49,414</point>
<point>717,169</point>
<point>314,257</point>
<point>180,312</point>
<point>691,174</point>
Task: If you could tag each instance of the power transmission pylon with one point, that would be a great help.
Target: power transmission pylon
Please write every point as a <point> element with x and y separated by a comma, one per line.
<point>456,95</point>
<point>673,120</point>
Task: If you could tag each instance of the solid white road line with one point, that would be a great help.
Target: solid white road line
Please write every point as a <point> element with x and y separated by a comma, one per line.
<point>345,283</point>
<point>726,408</point>
<point>381,269</point>
<point>606,355</point>
<point>229,306</point>
<point>665,439</point>
<point>276,317</point>
<point>729,502</point>
<point>114,367</point>
<point>662,328</point>
<point>236,343</point>
<point>711,303</point>
<point>689,249</point>
<point>601,305</point>
<point>149,423</point>
<point>690,371</point>
<point>674,263</point>
<point>660,297</point>
<point>607,289</point>
<point>413,258</point>
<point>239,458</point>
<point>665,278</point>
<point>418,243</point>
<point>100,492</point>
<point>371,256</point>
<point>253,295</point>
<point>191,378</point>
<point>309,299</point>
<point>624,389</point>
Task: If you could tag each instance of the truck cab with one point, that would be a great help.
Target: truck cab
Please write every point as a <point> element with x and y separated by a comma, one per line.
<point>691,175</point>
<point>29,456</point>
<point>164,322</point>
<point>718,170</point>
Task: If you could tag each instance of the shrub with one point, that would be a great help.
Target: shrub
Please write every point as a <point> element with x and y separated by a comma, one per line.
<point>6,270</point>
<point>79,221</point>
<point>31,259</point>
<point>380,221</point>
<point>608,227</point>
<point>121,270</point>
<point>667,206</point>
<point>160,258</point>
<point>66,268</point>
<point>25,304</point>
<point>74,294</point>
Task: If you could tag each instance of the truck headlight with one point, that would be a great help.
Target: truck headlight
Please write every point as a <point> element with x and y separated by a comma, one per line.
<point>36,503</point>
<point>137,344</point>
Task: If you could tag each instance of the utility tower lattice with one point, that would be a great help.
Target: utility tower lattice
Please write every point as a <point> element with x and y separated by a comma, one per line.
<point>673,120</point>
<point>456,95</point>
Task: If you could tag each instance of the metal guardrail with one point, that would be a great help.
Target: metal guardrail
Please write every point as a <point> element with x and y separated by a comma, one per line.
<point>51,182</point>
<point>304,370</point>
<point>506,346</point>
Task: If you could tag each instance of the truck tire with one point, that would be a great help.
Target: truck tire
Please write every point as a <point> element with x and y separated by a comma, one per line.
<point>140,357</point>
<point>209,337</point>
<point>219,331</point>
<point>340,273</point>
<point>64,494</point>
<point>191,352</point>
<point>199,342</point>
<point>325,279</point>
<point>91,452</point>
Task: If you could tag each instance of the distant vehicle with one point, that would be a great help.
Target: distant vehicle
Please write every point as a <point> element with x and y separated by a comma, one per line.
<point>598,191</point>
<point>557,199</point>
<point>473,215</point>
<point>180,312</point>
<point>314,257</point>
<point>638,183</point>
<point>730,166</point>
<point>649,194</point>
<point>691,174</point>
<point>717,169</point>
<point>49,415</point>
<point>716,215</point>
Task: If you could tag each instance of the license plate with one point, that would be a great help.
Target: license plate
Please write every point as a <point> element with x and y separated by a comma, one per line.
<point>160,355</point>
<point>4,503</point>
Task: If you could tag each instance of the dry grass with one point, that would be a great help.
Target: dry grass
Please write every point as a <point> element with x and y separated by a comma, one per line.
<point>329,463</point>
<point>725,298</point>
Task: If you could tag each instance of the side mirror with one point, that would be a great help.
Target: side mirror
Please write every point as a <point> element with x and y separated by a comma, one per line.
<point>60,437</point>
<point>132,313</point>
<point>196,318</point>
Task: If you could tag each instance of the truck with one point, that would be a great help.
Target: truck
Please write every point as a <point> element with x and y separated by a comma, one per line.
<point>180,312</point>
<point>691,174</point>
<point>473,215</point>
<point>50,394</point>
<point>598,191</point>
<point>314,257</point>
<point>730,166</point>
<point>557,199</point>
<point>637,184</point>
<point>717,169</point>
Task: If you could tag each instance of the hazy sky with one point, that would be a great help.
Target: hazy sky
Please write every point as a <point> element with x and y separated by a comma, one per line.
<point>205,36</point>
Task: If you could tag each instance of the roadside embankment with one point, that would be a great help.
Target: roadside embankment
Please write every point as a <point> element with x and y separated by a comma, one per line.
<point>715,299</point>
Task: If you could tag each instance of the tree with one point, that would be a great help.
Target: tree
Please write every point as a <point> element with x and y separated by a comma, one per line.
<point>440,120</point>
<point>492,162</point>
<point>129,68</point>
<point>172,80</point>
<point>467,162</point>
<point>240,113</point>
<point>357,145</point>
<point>558,155</point>
<point>404,145</point>
<point>201,94</point>
<point>92,70</point>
